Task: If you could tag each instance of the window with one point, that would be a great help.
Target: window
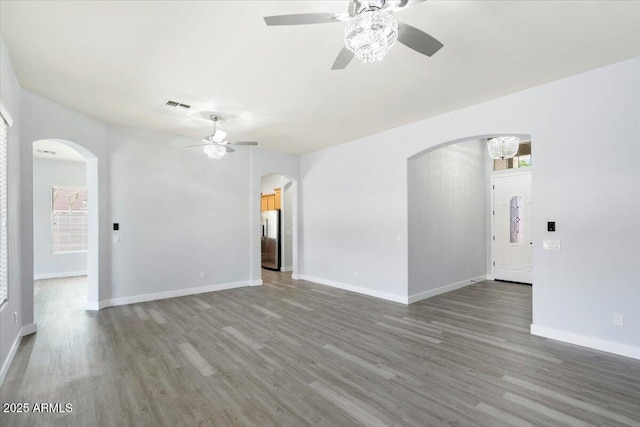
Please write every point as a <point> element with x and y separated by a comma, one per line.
<point>522,159</point>
<point>515,226</point>
<point>4,243</point>
<point>69,225</point>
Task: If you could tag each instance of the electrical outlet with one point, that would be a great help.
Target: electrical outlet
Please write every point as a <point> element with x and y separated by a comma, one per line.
<point>15,317</point>
<point>202,274</point>
<point>618,320</point>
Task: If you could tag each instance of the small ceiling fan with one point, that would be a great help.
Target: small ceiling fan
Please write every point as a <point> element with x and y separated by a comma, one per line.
<point>215,145</point>
<point>370,32</point>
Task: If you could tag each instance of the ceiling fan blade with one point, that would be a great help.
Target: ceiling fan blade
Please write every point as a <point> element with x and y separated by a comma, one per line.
<point>417,39</point>
<point>229,149</point>
<point>196,145</point>
<point>302,19</point>
<point>243,143</point>
<point>344,58</point>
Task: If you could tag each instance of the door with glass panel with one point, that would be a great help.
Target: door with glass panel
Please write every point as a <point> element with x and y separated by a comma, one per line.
<point>511,241</point>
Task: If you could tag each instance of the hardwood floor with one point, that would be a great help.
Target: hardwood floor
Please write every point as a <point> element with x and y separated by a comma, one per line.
<point>294,353</point>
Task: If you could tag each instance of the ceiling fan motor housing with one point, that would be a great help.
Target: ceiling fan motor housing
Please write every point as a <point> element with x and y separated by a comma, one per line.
<point>358,6</point>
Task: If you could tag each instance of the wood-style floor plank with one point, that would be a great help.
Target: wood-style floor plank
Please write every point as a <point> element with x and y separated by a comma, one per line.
<point>295,353</point>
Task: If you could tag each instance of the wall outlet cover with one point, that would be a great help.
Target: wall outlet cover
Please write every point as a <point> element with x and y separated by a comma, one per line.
<point>618,320</point>
<point>551,245</point>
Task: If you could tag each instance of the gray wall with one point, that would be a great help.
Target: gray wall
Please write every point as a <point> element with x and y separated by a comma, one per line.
<point>46,174</point>
<point>447,216</point>
<point>10,98</point>
<point>355,202</point>
<point>180,213</point>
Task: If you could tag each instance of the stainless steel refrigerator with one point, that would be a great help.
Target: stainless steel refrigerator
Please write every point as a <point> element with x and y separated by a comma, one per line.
<point>271,240</point>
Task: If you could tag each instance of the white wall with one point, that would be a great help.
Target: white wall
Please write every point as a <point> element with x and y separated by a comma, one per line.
<point>180,213</point>
<point>47,174</point>
<point>447,217</point>
<point>10,331</point>
<point>586,169</point>
<point>270,182</point>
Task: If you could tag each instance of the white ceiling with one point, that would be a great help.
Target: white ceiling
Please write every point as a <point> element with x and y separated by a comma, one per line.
<point>50,149</point>
<point>119,61</point>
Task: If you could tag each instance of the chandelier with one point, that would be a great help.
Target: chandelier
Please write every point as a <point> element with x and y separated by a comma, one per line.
<point>370,35</point>
<point>214,151</point>
<point>503,147</point>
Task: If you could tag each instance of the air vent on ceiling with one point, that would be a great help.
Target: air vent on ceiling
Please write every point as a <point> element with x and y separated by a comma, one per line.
<point>174,104</point>
<point>53,153</point>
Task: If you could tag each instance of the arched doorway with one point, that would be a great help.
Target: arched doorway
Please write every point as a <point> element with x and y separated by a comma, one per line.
<point>450,199</point>
<point>279,223</point>
<point>92,201</point>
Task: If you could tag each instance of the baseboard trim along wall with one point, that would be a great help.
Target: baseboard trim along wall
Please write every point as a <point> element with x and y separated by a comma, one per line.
<point>585,341</point>
<point>285,269</point>
<point>357,289</point>
<point>59,275</point>
<point>25,330</point>
<point>445,288</point>
<point>169,294</point>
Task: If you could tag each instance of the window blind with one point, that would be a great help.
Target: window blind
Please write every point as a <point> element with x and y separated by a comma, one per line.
<point>4,243</point>
<point>69,225</point>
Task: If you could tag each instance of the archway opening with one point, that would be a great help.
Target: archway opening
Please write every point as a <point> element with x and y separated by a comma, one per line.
<point>66,216</point>
<point>450,212</point>
<point>278,225</point>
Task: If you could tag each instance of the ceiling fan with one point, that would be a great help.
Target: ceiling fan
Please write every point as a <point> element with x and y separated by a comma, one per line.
<point>215,146</point>
<point>370,32</point>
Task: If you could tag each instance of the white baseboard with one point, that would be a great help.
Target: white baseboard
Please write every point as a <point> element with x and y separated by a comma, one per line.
<point>585,341</point>
<point>354,288</point>
<point>445,288</point>
<point>25,330</point>
<point>286,269</point>
<point>295,276</point>
<point>29,329</point>
<point>59,275</point>
<point>170,294</point>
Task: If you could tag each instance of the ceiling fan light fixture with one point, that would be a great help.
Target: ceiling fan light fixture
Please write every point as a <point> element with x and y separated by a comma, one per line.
<point>218,135</point>
<point>503,147</point>
<point>214,151</point>
<point>371,34</point>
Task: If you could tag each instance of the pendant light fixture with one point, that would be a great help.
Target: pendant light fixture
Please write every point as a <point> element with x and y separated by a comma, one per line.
<point>503,147</point>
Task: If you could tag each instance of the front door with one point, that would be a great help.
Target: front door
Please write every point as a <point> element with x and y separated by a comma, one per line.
<point>512,245</point>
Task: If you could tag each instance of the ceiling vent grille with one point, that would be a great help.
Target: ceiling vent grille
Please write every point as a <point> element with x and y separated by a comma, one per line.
<point>53,153</point>
<point>174,104</point>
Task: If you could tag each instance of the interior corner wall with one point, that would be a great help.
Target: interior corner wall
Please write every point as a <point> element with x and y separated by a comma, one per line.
<point>9,330</point>
<point>48,173</point>
<point>355,202</point>
<point>447,218</point>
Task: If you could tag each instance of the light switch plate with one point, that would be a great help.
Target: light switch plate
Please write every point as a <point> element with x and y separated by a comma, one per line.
<point>116,239</point>
<point>551,245</point>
